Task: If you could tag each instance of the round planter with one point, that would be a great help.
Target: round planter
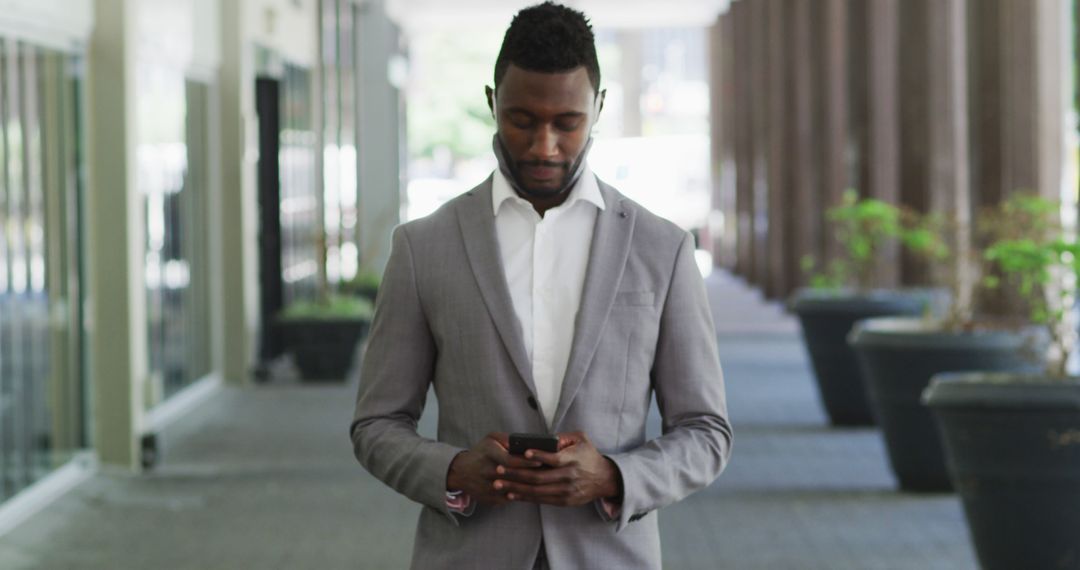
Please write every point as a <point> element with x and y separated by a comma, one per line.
<point>1013,448</point>
<point>899,356</point>
<point>826,319</point>
<point>323,348</point>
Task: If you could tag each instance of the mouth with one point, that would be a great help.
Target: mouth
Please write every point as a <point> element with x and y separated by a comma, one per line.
<point>542,173</point>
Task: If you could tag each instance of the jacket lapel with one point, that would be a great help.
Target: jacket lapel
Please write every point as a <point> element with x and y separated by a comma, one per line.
<point>607,258</point>
<point>477,223</point>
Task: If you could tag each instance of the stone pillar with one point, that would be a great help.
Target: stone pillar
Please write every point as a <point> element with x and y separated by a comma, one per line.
<point>234,210</point>
<point>743,137</point>
<point>873,29</point>
<point>630,44</point>
<point>916,120</point>
<point>116,305</point>
<point>833,112</point>
<point>949,163</point>
<point>933,122</point>
<point>759,88</point>
<point>723,218</point>
<point>777,96</point>
<point>804,195</point>
<point>1020,52</point>
<point>381,156</point>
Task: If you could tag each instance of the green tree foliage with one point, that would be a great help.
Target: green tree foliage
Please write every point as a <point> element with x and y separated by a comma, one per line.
<point>448,109</point>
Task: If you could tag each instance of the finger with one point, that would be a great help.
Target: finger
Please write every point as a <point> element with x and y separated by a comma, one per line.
<point>513,461</point>
<point>551,459</point>
<point>571,438</point>
<point>534,476</point>
<point>516,491</point>
<point>501,456</point>
<point>558,500</point>
<point>501,438</point>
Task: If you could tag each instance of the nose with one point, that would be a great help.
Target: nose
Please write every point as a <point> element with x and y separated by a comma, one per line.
<point>545,143</point>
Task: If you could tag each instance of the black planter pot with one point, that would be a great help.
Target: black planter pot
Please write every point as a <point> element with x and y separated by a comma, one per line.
<point>1013,448</point>
<point>826,319</point>
<point>898,357</point>
<point>323,348</point>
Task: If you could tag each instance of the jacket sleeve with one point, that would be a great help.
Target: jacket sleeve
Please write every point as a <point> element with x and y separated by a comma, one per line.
<point>696,439</point>
<point>397,370</point>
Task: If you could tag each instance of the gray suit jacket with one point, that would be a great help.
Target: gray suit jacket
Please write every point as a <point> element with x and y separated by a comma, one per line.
<point>444,317</point>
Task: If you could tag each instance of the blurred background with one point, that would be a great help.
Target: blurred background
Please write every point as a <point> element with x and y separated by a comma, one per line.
<point>189,187</point>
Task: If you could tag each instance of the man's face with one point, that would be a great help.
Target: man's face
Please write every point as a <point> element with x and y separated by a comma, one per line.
<point>544,119</point>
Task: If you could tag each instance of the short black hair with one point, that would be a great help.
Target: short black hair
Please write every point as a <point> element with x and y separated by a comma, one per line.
<point>549,38</point>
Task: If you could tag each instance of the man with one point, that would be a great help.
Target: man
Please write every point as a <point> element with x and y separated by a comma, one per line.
<point>542,301</point>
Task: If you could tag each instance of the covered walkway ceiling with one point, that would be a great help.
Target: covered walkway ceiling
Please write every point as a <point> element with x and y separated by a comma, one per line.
<point>424,15</point>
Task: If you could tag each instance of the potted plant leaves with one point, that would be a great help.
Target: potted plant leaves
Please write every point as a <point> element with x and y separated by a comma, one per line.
<point>1013,440</point>
<point>323,334</point>
<point>844,292</point>
<point>365,284</point>
<point>899,356</point>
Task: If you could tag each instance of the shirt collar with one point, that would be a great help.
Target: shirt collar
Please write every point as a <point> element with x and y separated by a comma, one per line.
<point>585,189</point>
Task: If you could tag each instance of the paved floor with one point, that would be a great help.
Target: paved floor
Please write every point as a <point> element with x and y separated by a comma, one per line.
<point>264,478</point>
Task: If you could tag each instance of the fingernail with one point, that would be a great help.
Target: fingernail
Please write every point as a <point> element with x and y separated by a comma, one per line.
<point>500,470</point>
<point>498,485</point>
<point>529,454</point>
<point>511,496</point>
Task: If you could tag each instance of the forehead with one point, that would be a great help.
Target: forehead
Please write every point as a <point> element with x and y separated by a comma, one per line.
<point>537,91</point>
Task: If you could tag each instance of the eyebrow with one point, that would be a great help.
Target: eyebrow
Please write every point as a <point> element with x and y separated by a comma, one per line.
<point>568,114</point>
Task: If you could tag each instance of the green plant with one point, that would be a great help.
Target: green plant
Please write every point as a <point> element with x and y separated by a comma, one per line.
<point>332,307</point>
<point>864,227</point>
<point>365,284</point>
<point>1039,264</point>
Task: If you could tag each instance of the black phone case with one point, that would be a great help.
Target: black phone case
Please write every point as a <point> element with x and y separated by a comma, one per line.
<point>519,442</point>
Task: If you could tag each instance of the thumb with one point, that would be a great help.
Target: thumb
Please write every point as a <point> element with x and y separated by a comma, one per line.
<point>568,439</point>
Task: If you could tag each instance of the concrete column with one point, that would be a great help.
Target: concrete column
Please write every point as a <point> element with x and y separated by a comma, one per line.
<point>722,121</point>
<point>777,98</point>
<point>1019,53</point>
<point>833,111</point>
<point>949,163</point>
<point>985,100</point>
<point>915,121</point>
<point>875,110</point>
<point>236,257</point>
<point>116,236</point>
<point>743,139</point>
<point>757,98</point>
<point>804,139</point>
<point>630,44</point>
<point>380,135</point>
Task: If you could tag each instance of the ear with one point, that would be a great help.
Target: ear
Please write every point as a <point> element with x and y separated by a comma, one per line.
<point>490,93</point>
<point>600,101</point>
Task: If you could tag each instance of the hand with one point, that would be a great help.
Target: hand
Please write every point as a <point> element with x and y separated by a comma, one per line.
<point>578,475</point>
<point>473,471</point>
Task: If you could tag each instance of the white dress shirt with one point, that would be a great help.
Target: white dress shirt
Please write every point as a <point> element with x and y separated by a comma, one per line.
<point>545,261</point>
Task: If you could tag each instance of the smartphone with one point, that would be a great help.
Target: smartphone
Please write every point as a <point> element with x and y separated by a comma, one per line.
<point>519,442</point>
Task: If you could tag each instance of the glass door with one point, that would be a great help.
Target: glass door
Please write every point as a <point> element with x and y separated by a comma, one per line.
<point>42,403</point>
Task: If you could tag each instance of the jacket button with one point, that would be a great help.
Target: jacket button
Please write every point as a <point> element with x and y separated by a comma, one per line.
<point>532,403</point>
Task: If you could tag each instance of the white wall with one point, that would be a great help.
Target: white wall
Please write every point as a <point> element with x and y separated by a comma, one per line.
<point>285,26</point>
<point>182,34</point>
<point>63,24</point>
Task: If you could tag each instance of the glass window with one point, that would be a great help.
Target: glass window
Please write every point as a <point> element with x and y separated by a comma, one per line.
<point>171,176</point>
<point>42,407</point>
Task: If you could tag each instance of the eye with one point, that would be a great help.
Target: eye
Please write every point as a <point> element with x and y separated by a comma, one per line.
<point>568,125</point>
<point>521,121</point>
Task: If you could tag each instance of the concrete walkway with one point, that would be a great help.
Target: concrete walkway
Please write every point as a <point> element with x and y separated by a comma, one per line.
<point>264,478</point>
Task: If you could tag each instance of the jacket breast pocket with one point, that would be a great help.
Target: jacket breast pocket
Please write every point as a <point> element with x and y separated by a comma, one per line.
<point>634,299</point>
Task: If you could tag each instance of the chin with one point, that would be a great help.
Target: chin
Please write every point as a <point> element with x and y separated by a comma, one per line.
<point>547,189</point>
